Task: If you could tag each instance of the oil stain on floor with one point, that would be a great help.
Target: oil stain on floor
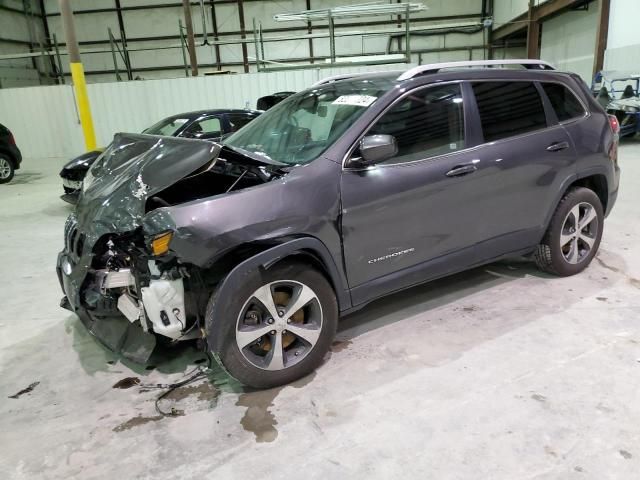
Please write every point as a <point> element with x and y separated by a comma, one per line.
<point>136,422</point>
<point>258,419</point>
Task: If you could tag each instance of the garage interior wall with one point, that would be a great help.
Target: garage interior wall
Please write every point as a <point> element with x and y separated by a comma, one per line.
<point>154,24</point>
<point>568,40</point>
<point>623,42</point>
<point>50,112</point>
<point>21,32</point>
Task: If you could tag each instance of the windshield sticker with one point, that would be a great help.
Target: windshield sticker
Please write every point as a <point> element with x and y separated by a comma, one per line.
<point>355,100</point>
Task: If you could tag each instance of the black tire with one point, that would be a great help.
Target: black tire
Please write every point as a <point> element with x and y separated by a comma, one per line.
<point>549,255</point>
<point>9,163</point>
<point>221,331</point>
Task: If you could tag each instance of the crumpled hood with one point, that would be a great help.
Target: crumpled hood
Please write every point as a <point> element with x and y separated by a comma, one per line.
<point>133,168</point>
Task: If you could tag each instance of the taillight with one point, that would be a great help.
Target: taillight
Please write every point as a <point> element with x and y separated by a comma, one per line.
<point>615,125</point>
<point>12,141</point>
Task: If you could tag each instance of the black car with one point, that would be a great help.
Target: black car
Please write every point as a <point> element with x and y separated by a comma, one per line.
<point>339,195</point>
<point>10,156</point>
<point>203,124</point>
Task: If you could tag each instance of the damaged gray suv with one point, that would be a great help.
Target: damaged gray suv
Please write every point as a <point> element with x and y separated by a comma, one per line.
<point>353,189</point>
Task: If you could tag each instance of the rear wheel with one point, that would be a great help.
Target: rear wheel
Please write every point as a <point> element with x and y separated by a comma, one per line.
<point>6,169</point>
<point>278,326</point>
<point>574,234</point>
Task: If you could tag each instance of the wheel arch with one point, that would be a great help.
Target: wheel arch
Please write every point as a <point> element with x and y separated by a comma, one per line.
<point>255,256</point>
<point>595,180</point>
<point>10,157</point>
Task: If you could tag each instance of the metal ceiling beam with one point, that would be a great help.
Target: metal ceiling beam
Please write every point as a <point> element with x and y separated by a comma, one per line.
<point>601,37</point>
<point>533,33</point>
<point>282,30</point>
<point>537,14</point>
<point>148,7</point>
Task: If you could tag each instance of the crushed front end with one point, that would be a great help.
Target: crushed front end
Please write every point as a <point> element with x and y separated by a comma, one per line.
<point>124,293</point>
<point>117,270</point>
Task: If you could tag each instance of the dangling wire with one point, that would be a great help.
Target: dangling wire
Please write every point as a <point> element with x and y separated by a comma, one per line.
<point>201,372</point>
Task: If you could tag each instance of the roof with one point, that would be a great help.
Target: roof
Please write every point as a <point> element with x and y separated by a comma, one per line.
<point>421,70</point>
<point>217,111</point>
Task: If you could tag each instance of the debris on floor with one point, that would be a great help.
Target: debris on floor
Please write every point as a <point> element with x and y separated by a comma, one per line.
<point>25,390</point>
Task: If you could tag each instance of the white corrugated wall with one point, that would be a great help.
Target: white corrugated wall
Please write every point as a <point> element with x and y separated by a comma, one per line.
<point>45,123</point>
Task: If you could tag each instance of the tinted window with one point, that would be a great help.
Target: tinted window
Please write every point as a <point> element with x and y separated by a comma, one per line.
<point>168,126</point>
<point>239,120</point>
<point>508,108</point>
<point>426,123</point>
<point>206,127</point>
<point>564,102</point>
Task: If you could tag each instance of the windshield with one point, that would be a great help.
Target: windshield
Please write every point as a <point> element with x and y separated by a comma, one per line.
<point>168,126</point>
<point>302,127</point>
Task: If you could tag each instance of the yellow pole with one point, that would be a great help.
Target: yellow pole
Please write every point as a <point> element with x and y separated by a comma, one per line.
<point>77,75</point>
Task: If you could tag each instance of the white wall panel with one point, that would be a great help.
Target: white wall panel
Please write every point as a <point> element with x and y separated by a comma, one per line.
<point>569,39</point>
<point>45,122</point>
<point>623,43</point>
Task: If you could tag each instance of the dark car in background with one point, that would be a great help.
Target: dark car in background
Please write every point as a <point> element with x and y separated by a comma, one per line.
<point>269,101</point>
<point>203,124</point>
<point>337,196</point>
<point>10,156</point>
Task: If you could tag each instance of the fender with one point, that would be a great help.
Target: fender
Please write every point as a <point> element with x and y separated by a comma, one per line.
<point>268,258</point>
<point>596,170</point>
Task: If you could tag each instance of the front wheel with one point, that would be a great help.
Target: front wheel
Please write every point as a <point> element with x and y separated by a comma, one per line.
<point>574,234</point>
<point>277,327</point>
<point>6,169</point>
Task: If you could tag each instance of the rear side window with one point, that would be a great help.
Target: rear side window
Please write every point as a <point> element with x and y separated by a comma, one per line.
<point>508,108</point>
<point>426,123</point>
<point>564,102</point>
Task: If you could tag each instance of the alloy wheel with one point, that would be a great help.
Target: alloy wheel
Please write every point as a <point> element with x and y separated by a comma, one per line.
<point>579,233</point>
<point>5,168</point>
<point>279,325</point>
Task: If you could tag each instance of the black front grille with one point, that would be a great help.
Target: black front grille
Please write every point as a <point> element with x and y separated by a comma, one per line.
<point>75,175</point>
<point>73,238</point>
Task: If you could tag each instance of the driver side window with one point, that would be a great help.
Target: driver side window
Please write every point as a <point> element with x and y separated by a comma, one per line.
<point>426,123</point>
<point>206,128</point>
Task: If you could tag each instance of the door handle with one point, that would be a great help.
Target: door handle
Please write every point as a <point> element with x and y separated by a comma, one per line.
<point>460,170</point>
<point>557,146</point>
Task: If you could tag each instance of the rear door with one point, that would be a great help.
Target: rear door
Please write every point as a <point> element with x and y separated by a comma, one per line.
<point>525,157</point>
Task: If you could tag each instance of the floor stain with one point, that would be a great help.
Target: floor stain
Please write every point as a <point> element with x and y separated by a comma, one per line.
<point>136,422</point>
<point>127,382</point>
<point>258,419</point>
<point>633,281</point>
<point>608,267</point>
<point>625,454</point>
<point>340,345</point>
<point>538,397</point>
<point>550,451</point>
<point>602,299</point>
<point>25,390</point>
<point>205,391</point>
<point>471,308</point>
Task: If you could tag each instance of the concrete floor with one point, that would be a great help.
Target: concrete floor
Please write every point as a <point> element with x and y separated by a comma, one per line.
<point>497,373</point>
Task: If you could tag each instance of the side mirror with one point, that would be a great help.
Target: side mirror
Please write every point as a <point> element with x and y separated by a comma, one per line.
<point>375,149</point>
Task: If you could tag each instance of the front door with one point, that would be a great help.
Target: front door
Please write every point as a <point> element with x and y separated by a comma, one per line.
<point>418,206</point>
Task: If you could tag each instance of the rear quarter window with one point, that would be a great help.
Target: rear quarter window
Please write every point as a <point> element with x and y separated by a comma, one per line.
<point>564,102</point>
<point>508,108</point>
